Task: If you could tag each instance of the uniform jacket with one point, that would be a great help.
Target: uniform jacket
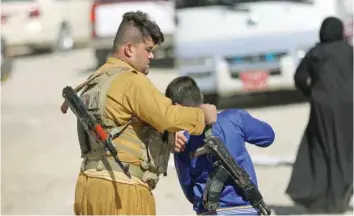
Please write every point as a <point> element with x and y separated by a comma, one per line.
<point>134,93</point>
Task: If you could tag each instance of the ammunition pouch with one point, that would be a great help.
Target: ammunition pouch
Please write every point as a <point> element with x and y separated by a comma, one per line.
<point>157,152</point>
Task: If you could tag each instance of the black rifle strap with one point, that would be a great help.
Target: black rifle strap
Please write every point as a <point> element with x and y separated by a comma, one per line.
<point>213,188</point>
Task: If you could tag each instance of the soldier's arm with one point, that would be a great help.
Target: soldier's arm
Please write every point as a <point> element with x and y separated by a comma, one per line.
<point>150,105</point>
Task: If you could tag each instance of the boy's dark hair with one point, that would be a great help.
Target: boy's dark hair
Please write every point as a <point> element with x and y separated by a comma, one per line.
<point>184,91</point>
<point>135,27</point>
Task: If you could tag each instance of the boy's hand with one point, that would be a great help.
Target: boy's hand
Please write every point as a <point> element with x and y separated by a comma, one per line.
<point>180,142</point>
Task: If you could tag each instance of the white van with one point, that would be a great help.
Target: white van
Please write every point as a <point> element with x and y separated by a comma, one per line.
<point>45,24</point>
<point>235,47</point>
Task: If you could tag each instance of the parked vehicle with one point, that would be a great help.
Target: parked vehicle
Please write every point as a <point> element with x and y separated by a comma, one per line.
<point>6,62</point>
<point>55,25</point>
<point>239,47</point>
<point>106,16</point>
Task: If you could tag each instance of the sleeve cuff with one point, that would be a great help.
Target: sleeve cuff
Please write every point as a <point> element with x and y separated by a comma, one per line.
<point>200,124</point>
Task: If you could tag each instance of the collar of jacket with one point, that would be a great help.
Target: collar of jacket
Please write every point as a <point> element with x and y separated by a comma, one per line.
<point>120,63</point>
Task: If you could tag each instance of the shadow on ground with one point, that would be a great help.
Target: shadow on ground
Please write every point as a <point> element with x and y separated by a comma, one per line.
<point>287,210</point>
<point>292,210</point>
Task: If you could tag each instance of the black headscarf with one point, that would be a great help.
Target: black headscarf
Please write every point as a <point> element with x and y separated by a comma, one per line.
<point>332,29</point>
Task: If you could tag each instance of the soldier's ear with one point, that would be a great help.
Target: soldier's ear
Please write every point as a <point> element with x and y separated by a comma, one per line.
<point>129,49</point>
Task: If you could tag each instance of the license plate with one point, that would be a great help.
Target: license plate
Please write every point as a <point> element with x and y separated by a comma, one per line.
<point>254,80</point>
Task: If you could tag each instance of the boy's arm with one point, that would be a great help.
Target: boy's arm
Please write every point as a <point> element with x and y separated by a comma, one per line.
<point>256,131</point>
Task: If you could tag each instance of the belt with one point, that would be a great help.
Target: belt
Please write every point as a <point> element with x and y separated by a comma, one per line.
<point>110,165</point>
<point>236,210</point>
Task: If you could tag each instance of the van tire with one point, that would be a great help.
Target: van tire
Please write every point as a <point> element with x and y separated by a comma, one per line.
<point>65,41</point>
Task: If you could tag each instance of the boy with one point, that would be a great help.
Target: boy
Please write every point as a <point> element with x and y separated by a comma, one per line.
<point>234,127</point>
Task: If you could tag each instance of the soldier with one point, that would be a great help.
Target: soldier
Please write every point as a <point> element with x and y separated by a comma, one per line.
<point>120,94</point>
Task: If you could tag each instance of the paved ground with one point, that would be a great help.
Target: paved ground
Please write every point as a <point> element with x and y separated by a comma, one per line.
<point>40,155</point>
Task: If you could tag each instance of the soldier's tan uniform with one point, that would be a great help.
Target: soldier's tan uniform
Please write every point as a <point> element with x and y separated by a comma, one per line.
<point>118,93</point>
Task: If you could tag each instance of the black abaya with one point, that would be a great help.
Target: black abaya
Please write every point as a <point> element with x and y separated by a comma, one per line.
<point>322,177</point>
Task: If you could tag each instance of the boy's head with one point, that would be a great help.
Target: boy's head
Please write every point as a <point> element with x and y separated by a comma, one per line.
<point>184,91</point>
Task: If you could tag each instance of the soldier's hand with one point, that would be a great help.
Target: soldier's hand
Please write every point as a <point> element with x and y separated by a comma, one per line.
<point>180,142</point>
<point>210,113</point>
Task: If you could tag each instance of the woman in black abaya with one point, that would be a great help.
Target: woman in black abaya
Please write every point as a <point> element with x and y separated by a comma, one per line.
<point>322,177</point>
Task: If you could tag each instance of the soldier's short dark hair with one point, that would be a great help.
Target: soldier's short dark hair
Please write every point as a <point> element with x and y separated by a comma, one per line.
<point>135,27</point>
<point>184,91</point>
